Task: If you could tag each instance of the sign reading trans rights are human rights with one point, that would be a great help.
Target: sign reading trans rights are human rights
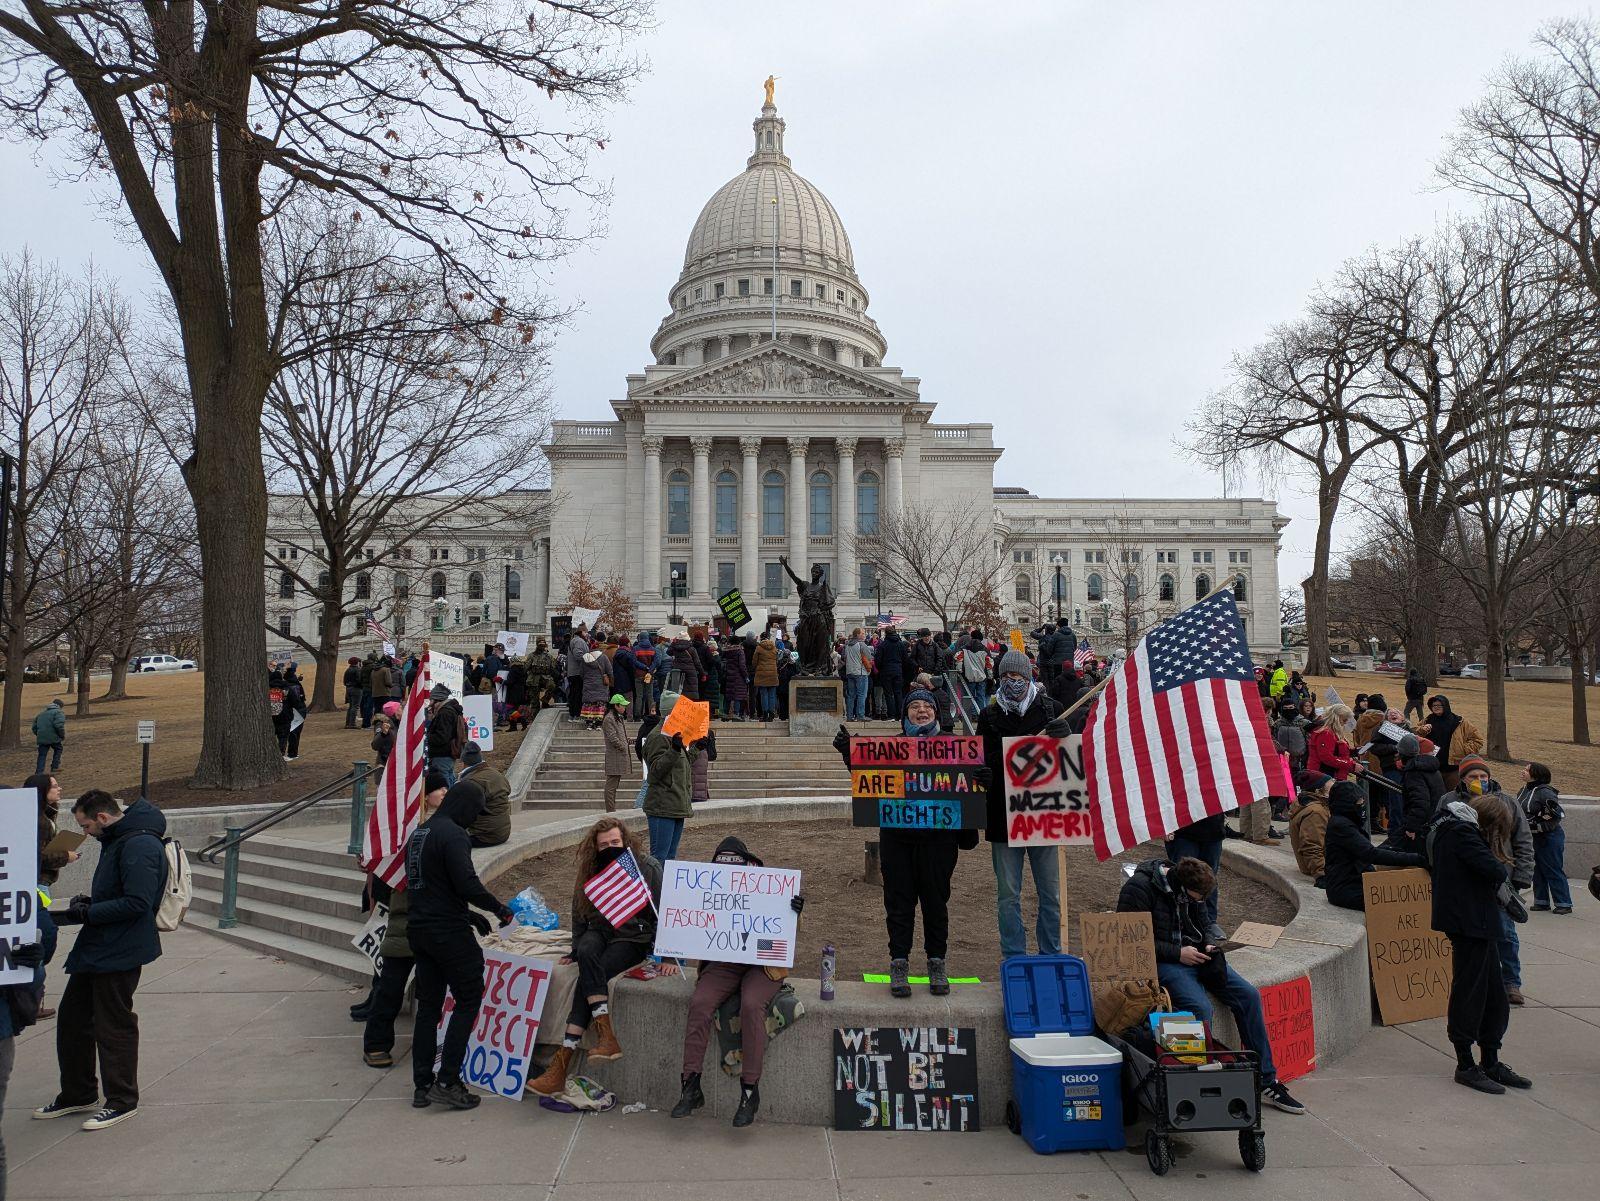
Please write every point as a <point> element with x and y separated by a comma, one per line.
<point>917,783</point>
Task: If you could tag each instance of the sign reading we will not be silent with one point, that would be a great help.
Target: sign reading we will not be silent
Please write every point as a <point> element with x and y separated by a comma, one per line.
<point>924,1078</point>
<point>727,913</point>
<point>910,783</point>
<point>19,879</point>
<point>1047,799</point>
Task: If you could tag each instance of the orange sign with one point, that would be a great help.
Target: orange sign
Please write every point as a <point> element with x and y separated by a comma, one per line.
<point>692,719</point>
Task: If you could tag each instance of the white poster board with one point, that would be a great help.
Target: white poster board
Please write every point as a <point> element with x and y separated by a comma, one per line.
<point>1392,732</point>
<point>388,649</point>
<point>19,879</point>
<point>515,641</point>
<point>757,622</point>
<point>1047,796</point>
<point>447,670</point>
<point>370,941</point>
<point>585,617</point>
<point>727,913</point>
<point>478,709</point>
<point>500,1048</point>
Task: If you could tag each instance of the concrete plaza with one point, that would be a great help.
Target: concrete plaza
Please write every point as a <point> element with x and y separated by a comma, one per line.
<point>253,1088</point>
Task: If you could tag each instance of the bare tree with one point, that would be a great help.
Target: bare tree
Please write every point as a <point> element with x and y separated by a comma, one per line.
<point>1292,612</point>
<point>213,120</point>
<point>1132,600</point>
<point>937,558</point>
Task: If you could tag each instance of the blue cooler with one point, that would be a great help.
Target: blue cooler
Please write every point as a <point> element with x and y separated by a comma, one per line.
<point>1066,1084</point>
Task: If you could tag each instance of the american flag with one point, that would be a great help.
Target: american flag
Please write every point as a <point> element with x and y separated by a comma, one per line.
<point>891,618</point>
<point>1081,656</point>
<point>375,627</point>
<point>775,949</point>
<point>1178,733</point>
<point>619,892</point>
<point>399,800</point>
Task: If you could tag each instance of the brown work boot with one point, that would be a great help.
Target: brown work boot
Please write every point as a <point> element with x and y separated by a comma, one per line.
<point>1514,995</point>
<point>553,1081</point>
<point>606,1045</point>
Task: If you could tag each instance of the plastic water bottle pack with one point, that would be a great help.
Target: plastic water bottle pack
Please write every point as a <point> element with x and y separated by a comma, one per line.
<point>531,910</point>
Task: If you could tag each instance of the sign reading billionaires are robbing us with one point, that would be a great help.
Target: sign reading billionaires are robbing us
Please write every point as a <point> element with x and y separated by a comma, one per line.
<point>727,913</point>
<point>905,783</point>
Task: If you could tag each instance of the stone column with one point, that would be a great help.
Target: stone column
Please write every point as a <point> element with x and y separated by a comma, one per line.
<point>894,450</point>
<point>700,522</point>
<point>799,543</point>
<point>844,532</point>
<point>727,346</point>
<point>539,596</point>
<point>652,515</point>
<point>813,345</point>
<point>750,519</point>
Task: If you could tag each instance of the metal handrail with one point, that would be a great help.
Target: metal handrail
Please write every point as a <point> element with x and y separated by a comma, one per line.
<point>958,690</point>
<point>236,835</point>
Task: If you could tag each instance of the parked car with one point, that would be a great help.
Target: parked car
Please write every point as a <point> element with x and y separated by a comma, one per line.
<point>1475,671</point>
<point>1449,669</point>
<point>161,663</point>
<point>1341,664</point>
<point>1393,667</point>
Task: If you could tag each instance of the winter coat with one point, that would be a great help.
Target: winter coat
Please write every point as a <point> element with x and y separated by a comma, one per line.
<point>624,669</point>
<point>687,664</point>
<point>493,825</point>
<point>543,669</point>
<point>766,665</point>
<point>994,725</point>
<point>1518,851</point>
<point>1466,876</point>
<point>1279,681</point>
<point>1328,753</point>
<point>119,932</point>
<point>1421,788</point>
<point>439,872</point>
<point>516,685</point>
<point>383,745</point>
<point>671,777</point>
<point>857,657</point>
<point>1416,686</point>
<point>352,684</point>
<point>700,772</point>
<point>596,678</point>
<point>614,729</point>
<point>395,945</point>
<point>1465,741</point>
<point>924,657</point>
<point>640,928</point>
<point>382,679</point>
<point>50,727</point>
<point>1540,804</point>
<point>49,865</point>
<point>1348,852</point>
<point>891,657</point>
<point>735,676</point>
<point>1308,829</point>
<point>577,648</point>
<point>1175,920</point>
<point>447,731</point>
<point>47,946</point>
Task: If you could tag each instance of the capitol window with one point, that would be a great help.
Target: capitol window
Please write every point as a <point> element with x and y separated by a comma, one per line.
<point>513,585</point>
<point>699,293</point>
<point>678,504</point>
<point>772,504</point>
<point>797,288</point>
<point>822,504</point>
<point>286,586</point>
<point>1096,589</point>
<point>285,624</point>
<point>822,291</point>
<point>1168,588</point>
<point>727,503</point>
<point>1024,590</point>
<point>839,295</point>
<point>868,492</point>
<point>436,586</point>
<point>1241,590</point>
<point>766,286</point>
<point>363,586</point>
<point>719,290</point>
<point>744,287</point>
<point>1202,586</point>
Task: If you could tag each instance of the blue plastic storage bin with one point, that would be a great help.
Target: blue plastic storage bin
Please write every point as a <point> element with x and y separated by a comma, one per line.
<point>1066,1084</point>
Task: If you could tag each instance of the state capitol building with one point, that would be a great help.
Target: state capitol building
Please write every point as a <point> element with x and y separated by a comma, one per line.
<point>768,423</point>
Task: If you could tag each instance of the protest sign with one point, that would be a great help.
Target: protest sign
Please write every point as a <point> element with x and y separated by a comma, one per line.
<point>500,1048</point>
<point>1118,948</point>
<point>370,941</point>
<point>479,713</point>
<point>589,618</point>
<point>1291,1031</point>
<point>924,1079</point>
<point>515,641</point>
<point>692,719</point>
<point>733,608</point>
<point>1410,960</point>
<point>917,783</point>
<point>1392,732</point>
<point>1257,934</point>
<point>449,671</point>
<point>1330,696</point>
<point>560,633</point>
<point>727,913</point>
<point>1017,643</point>
<point>1047,801</point>
<point>388,649</point>
<point>19,878</point>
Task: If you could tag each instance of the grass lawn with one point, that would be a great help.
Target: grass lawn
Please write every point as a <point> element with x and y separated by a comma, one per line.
<point>101,751</point>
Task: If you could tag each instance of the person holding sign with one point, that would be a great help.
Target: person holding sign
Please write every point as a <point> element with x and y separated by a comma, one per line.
<point>669,755</point>
<point>756,985</point>
<point>1348,852</point>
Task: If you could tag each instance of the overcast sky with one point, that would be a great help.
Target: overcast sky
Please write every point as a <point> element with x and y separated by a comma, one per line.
<point>1068,215</point>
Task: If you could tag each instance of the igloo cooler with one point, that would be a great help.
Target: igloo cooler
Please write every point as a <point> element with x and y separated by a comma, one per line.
<point>1066,1085</point>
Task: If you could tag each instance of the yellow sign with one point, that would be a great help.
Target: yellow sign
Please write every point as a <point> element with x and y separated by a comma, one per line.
<point>1016,641</point>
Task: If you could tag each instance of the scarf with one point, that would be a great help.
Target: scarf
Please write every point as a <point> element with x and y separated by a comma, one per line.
<point>1014,696</point>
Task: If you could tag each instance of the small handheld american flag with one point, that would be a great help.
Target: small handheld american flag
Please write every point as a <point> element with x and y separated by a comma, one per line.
<point>1081,656</point>
<point>375,627</point>
<point>620,891</point>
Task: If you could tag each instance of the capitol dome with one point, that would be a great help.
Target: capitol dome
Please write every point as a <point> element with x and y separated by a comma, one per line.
<point>740,217</point>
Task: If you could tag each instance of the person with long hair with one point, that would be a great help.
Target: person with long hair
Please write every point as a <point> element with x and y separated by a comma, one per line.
<point>601,951</point>
<point>1328,745</point>
<point>1541,804</point>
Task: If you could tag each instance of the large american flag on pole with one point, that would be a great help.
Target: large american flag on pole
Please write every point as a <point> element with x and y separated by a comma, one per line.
<point>375,627</point>
<point>1178,734</point>
<point>620,891</point>
<point>399,800</point>
<point>1081,656</point>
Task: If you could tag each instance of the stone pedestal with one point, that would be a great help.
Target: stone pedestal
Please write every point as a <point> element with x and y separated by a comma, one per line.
<point>816,705</point>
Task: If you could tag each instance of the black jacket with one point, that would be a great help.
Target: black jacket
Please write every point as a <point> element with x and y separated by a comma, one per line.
<point>1416,688</point>
<point>440,877</point>
<point>119,932</point>
<point>891,656</point>
<point>1176,921</point>
<point>447,731</point>
<point>1348,852</point>
<point>924,657</point>
<point>640,928</point>
<point>994,725</point>
<point>1422,787</point>
<point>1466,879</point>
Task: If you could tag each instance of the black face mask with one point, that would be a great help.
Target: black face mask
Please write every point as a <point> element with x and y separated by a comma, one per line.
<point>609,855</point>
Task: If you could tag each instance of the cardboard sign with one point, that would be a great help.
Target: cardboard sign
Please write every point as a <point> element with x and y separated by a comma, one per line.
<point>1117,948</point>
<point>479,713</point>
<point>515,641</point>
<point>727,913</point>
<point>903,783</point>
<point>692,719</point>
<point>370,941</point>
<point>733,608</point>
<point>19,879</point>
<point>1392,732</point>
<point>500,1049</point>
<point>1257,934</point>
<point>447,670</point>
<point>1410,960</point>
<point>923,1079</point>
<point>1291,1030</point>
<point>1047,800</point>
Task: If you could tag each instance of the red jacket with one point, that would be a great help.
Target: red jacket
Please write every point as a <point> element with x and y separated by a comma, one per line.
<point>1327,752</point>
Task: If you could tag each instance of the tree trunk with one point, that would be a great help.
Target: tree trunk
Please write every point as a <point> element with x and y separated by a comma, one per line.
<point>1580,686</point>
<point>1495,737</point>
<point>1319,659</point>
<point>118,689</point>
<point>82,708</point>
<point>1422,637</point>
<point>16,663</point>
<point>326,658</point>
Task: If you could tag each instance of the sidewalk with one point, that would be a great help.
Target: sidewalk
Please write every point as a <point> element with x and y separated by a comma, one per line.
<point>254,1088</point>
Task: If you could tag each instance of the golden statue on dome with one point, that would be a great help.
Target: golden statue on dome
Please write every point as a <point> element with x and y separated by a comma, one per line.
<point>772,86</point>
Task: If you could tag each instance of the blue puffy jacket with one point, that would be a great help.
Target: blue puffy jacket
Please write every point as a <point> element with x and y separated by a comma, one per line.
<point>120,930</point>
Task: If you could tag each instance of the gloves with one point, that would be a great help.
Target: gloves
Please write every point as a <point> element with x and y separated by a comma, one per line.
<point>797,903</point>
<point>507,917</point>
<point>677,742</point>
<point>841,741</point>
<point>480,924</point>
<point>82,898</point>
<point>1057,727</point>
<point>983,777</point>
<point>29,955</point>
<point>72,915</point>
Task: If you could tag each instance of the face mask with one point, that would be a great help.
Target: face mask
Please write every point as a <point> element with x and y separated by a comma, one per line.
<point>609,855</point>
<point>1013,688</point>
<point>1477,787</point>
<point>731,857</point>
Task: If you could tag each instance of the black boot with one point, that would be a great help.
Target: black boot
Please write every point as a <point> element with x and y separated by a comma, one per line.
<point>749,1103</point>
<point>691,1099</point>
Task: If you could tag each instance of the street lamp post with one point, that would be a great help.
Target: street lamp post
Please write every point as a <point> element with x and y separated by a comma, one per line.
<point>1056,560</point>
<point>677,618</point>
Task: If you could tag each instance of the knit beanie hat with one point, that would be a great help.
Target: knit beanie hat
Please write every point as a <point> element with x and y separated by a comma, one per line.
<point>439,693</point>
<point>1016,661</point>
<point>921,694</point>
<point>1472,763</point>
<point>1408,746</point>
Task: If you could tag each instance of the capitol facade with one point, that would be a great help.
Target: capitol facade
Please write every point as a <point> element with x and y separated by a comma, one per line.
<point>768,424</point>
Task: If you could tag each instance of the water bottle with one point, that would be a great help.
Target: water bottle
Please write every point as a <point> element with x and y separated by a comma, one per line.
<point>530,910</point>
<point>828,962</point>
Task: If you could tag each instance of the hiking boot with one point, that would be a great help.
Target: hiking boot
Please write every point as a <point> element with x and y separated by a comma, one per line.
<point>1501,1074</point>
<point>1537,908</point>
<point>899,978</point>
<point>108,1117</point>
<point>1474,1077</point>
<point>454,1094</point>
<point>1514,995</point>
<point>606,1045</point>
<point>938,978</point>
<point>60,1109</point>
<point>377,1059</point>
<point>691,1099</point>
<point>420,1098</point>
<point>749,1103</point>
<point>553,1081</point>
<point>46,1012</point>
<point>1558,910</point>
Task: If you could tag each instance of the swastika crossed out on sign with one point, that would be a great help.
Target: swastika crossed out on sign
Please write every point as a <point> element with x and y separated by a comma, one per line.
<point>1031,763</point>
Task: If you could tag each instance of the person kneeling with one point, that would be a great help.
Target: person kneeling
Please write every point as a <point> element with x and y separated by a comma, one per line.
<point>1188,964</point>
<point>756,986</point>
<point>601,951</point>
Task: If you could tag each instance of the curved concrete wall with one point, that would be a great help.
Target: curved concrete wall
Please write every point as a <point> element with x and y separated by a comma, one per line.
<point>1325,943</point>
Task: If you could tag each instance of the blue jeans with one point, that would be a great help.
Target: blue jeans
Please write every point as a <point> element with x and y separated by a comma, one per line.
<point>446,766</point>
<point>1550,869</point>
<point>980,693</point>
<point>1181,847</point>
<point>768,699</point>
<point>664,835</point>
<point>1008,898</point>
<point>1510,952</point>
<point>45,749</point>
<point>1238,994</point>
<point>855,697</point>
